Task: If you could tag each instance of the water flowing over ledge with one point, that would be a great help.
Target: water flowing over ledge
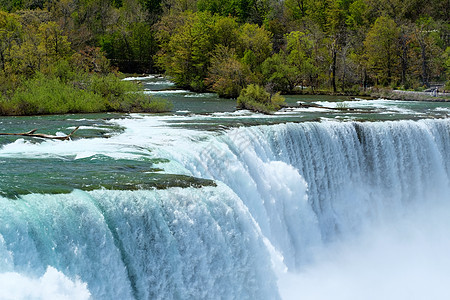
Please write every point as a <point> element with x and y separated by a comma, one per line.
<point>309,183</point>
<point>285,192</point>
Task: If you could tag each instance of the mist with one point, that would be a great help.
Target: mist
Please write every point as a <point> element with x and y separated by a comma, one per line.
<point>406,258</point>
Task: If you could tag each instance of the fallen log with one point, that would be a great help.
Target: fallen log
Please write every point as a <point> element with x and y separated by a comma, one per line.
<point>32,133</point>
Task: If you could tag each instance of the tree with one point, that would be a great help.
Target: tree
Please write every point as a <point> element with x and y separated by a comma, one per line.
<point>83,21</point>
<point>10,34</point>
<point>131,48</point>
<point>424,36</point>
<point>54,44</point>
<point>246,11</point>
<point>255,45</point>
<point>381,50</point>
<point>153,9</point>
<point>185,57</point>
<point>337,33</point>
<point>300,51</point>
<point>279,73</point>
<point>297,9</point>
<point>227,75</point>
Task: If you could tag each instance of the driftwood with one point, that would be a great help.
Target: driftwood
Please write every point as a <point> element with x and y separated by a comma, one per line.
<point>32,133</point>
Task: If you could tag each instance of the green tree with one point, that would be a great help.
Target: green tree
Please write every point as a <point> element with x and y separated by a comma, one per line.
<point>227,76</point>
<point>186,56</point>
<point>84,21</point>
<point>153,10</point>
<point>297,9</point>
<point>246,11</point>
<point>357,15</point>
<point>381,46</point>
<point>279,74</point>
<point>10,34</point>
<point>255,45</point>
<point>427,50</point>
<point>300,51</point>
<point>54,44</point>
<point>131,48</point>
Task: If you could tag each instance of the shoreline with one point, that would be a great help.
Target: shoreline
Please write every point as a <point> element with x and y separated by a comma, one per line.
<point>384,94</point>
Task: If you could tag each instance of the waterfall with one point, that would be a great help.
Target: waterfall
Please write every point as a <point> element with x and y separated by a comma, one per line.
<point>310,183</point>
<point>174,244</point>
<point>283,191</point>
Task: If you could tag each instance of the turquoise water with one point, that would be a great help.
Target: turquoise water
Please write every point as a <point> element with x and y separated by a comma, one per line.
<point>332,198</point>
<point>201,112</point>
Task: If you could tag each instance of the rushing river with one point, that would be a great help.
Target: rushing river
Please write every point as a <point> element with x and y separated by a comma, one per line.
<point>207,202</point>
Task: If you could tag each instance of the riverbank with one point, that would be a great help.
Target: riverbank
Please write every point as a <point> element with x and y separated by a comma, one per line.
<point>388,94</point>
<point>412,95</point>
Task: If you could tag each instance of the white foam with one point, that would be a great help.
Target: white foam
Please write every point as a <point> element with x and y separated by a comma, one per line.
<point>167,92</point>
<point>200,95</point>
<point>52,285</point>
<point>403,259</point>
<point>139,78</point>
<point>161,82</point>
<point>383,104</point>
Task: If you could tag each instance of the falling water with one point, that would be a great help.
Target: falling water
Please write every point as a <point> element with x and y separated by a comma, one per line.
<point>286,194</point>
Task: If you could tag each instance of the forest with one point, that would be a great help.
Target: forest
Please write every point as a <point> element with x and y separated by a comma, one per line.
<point>65,56</point>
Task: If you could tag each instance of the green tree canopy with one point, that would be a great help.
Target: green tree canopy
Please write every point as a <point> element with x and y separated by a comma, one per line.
<point>382,50</point>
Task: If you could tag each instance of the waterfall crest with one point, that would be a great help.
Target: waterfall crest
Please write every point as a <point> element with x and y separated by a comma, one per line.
<point>171,244</point>
<point>310,183</point>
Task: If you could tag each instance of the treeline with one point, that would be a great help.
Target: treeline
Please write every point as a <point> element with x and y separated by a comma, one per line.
<point>226,45</point>
<point>45,68</point>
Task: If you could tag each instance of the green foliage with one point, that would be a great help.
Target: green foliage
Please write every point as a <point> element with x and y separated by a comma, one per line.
<point>64,90</point>
<point>255,98</point>
<point>11,5</point>
<point>10,35</point>
<point>152,9</point>
<point>227,75</point>
<point>186,58</point>
<point>129,46</point>
<point>226,32</point>
<point>53,43</point>
<point>302,56</point>
<point>220,46</point>
<point>42,95</point>
<point>92,60</point>
<point>280,74</point>
<point>297,9</point>
<point>256,42</point>
<point>356,17</point>
<point>381,48</point>
<point>250,11</point>
<point>188,55</point>
<point>153,105</point>
<point>446,59</point>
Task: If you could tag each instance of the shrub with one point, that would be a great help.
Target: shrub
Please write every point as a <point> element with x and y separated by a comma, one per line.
<point>342,105</point>
<point>88,93</point>
<point>255,98</point>
<point>138,102</point>
<point>43,95</point>
<point>156,105</point>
